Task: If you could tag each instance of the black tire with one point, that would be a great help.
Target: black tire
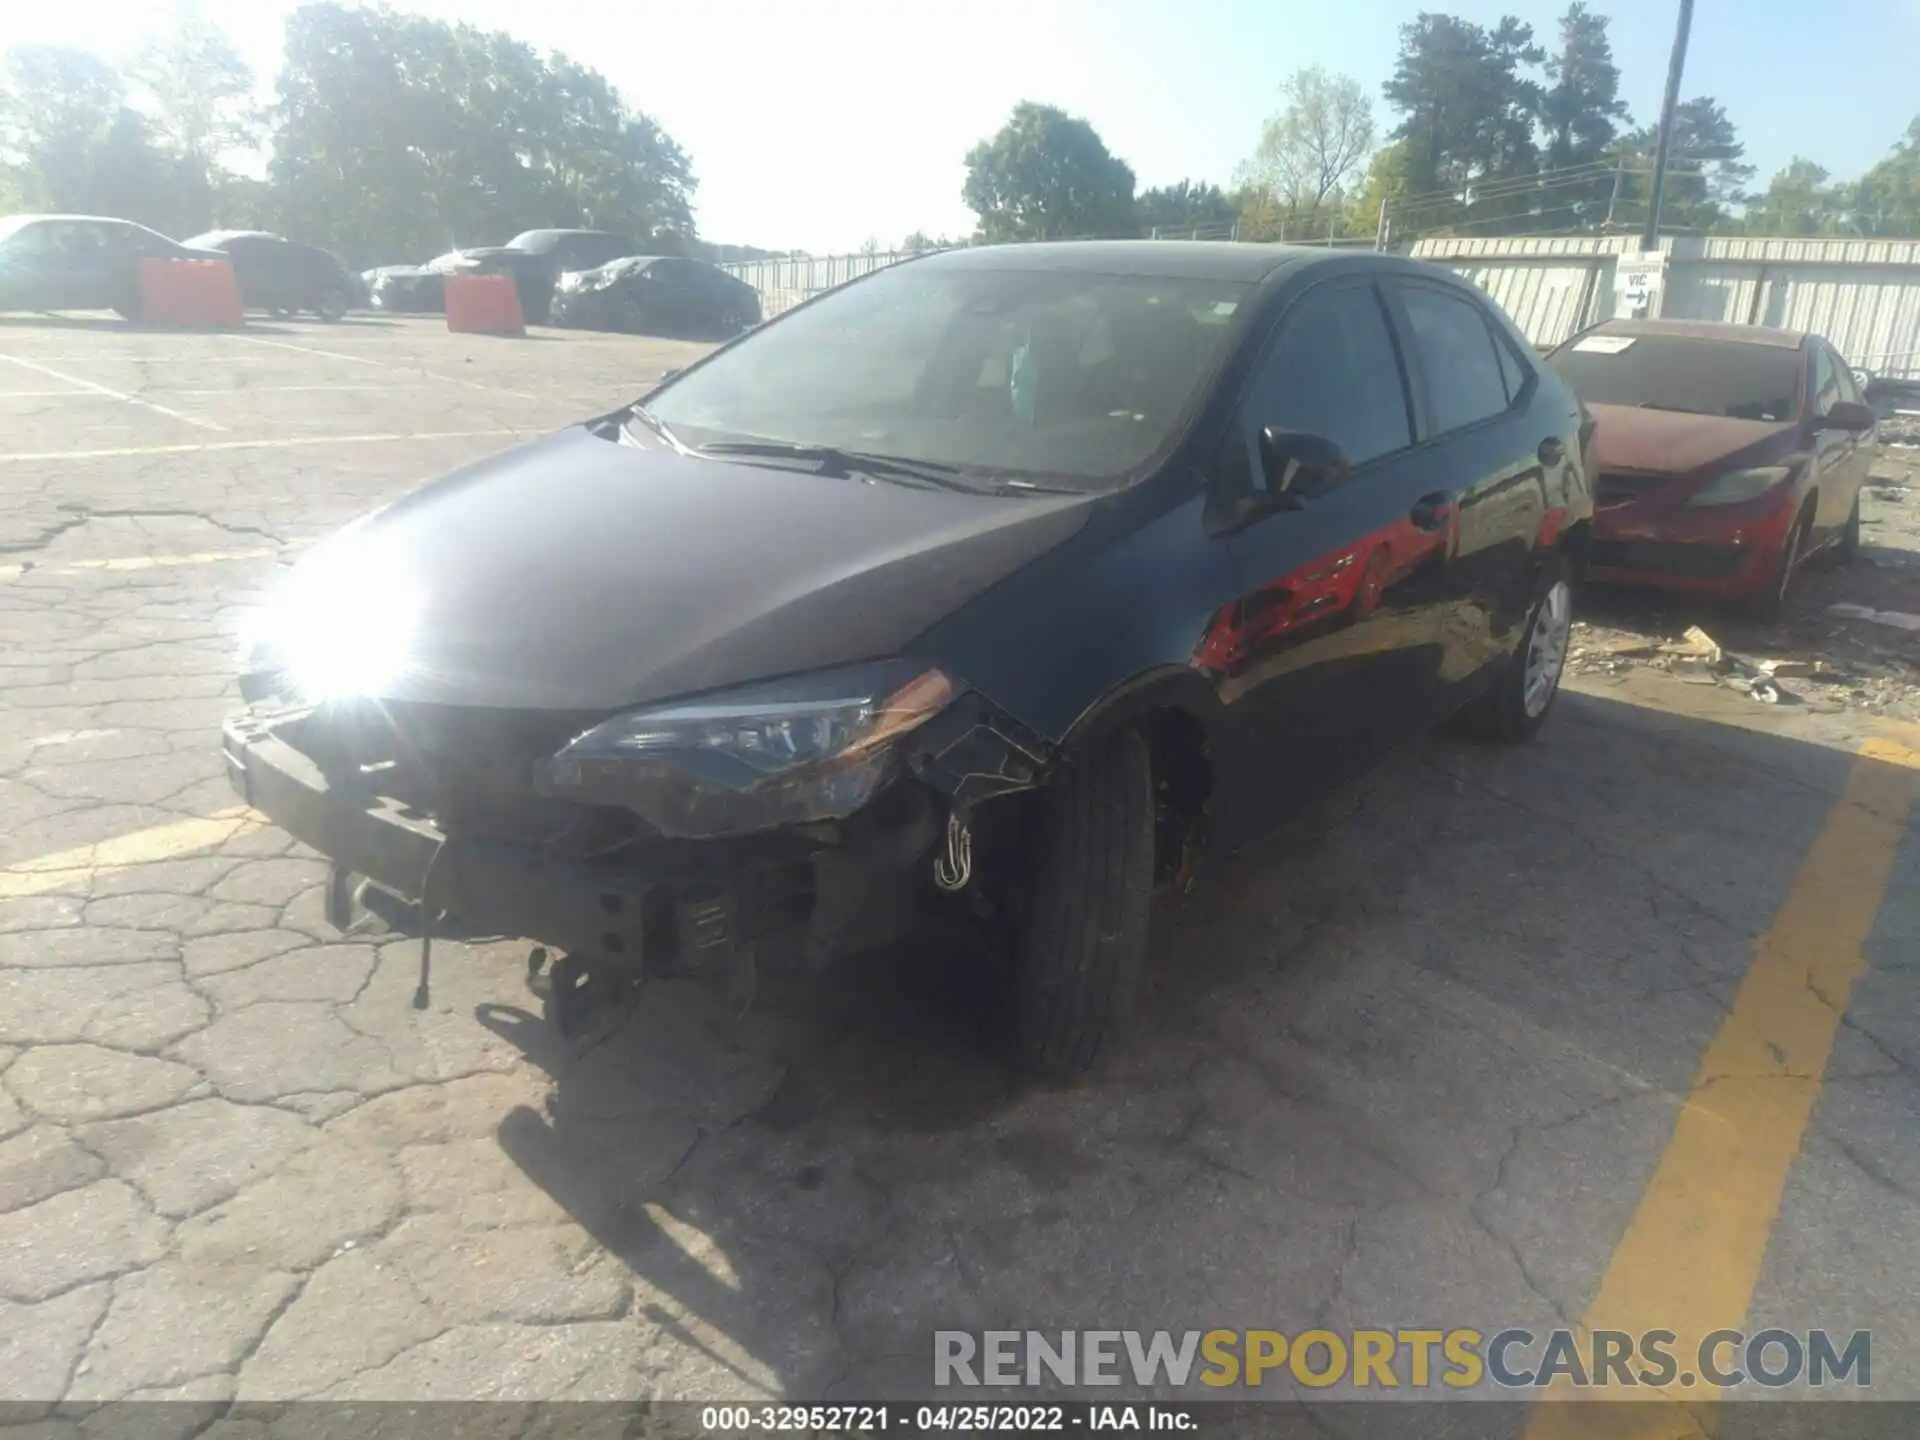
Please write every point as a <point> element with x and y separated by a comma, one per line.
<point>331,305</point>
<point>1771,604</point>
<point>1083,943</point>
<point>1509,713</point>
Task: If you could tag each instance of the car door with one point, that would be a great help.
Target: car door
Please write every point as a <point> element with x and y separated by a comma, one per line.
<point>1331,651</point>
<point>32,267</point>
<point>1487,457</point>
<point>1840,460</point>
<point>673,296</point>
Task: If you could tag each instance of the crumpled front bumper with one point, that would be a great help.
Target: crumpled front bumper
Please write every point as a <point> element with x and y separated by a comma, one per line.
<point>1728,551</point>
<point>678,904</point>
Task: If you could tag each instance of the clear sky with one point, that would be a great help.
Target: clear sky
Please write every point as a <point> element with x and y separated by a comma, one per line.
<point>818,125</point>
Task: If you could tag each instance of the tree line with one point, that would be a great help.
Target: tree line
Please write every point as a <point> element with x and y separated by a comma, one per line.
<point>395,137</point>
<point>1490,131</point>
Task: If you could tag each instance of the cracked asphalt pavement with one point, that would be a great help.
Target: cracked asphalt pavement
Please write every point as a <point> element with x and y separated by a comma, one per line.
<point>1417,1061</point>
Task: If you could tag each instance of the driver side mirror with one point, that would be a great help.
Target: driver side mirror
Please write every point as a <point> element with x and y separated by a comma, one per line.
<point>1848,415</point>
<point>1295,467</point>
<point>1301,466</point>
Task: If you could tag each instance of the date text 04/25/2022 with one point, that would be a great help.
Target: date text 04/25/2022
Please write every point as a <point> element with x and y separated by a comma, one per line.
<point>942,1419</point>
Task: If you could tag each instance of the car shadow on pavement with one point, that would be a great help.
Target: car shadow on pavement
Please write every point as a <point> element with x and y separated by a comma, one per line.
<point>1387,1064</point>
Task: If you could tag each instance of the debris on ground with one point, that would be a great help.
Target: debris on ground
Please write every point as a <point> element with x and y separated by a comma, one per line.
<point>1850,639</point>
<point>1898,619</point>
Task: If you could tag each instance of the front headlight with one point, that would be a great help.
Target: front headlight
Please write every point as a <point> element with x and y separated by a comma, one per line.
<point>340,625</point>
<point>1740,485</point>
<point>790,752</point>
<point>572,282</point>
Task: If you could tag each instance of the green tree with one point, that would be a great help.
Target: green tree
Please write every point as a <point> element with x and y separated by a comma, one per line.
<point>1468,112</point>
<point>1886,201</point>
<point>1307,153</point>
<point>1707,174</point>
<point>199,93</point>
<point>70,142</point>
<point>1388,181</point>
<point>1047,175</point>
<point>1582,113</point>
<point>1801,200</point>
<point>398,136</point>
<point>919,243</point>
<point>1185,205</point>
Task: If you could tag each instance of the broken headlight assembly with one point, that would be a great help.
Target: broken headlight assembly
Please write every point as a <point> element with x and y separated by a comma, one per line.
<point>807,749</point>
<point>1738,486</point>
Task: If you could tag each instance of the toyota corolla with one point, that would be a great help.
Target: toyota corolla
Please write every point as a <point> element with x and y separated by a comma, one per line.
<point>1001,581</point>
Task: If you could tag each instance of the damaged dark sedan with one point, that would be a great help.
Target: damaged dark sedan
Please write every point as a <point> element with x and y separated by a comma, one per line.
<point>998,584</point>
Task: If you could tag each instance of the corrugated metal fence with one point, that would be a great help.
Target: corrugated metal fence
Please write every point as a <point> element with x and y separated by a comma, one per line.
<point>784,283</point>
<point>1863,295</point>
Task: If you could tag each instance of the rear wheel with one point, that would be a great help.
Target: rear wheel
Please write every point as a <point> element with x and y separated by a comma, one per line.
<point>1522,698</point>
<point>1082,942</point>
<point>331,305</point>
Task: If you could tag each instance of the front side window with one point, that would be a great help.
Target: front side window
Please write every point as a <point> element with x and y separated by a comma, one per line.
<point>1457,355</point>
<point>1686,374</point>
<point>1826,380</point>
<point>1333,372</point>
<point>1081,377</point>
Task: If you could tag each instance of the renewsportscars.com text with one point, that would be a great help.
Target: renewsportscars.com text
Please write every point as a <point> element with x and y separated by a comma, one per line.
<point>1511,1359</point>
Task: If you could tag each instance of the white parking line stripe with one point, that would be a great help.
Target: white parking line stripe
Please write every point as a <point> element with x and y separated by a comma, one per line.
<point>282,443</point>
<point>381,365</point>
<point>138,562</point>
<point>52,374</point>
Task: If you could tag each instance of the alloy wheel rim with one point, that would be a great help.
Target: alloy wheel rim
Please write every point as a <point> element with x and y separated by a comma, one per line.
<point>1547,648</point>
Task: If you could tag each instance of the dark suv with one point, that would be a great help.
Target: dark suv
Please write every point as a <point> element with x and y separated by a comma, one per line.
<point>995,584</point>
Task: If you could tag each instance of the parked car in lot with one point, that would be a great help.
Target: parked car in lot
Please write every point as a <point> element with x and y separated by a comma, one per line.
<point>282,275</point>
<point>558,252</point>
<point>656,295</point>
<point>80,262</point>
<point>1727,455</point>
<point>421,289</point>
<point>998,583</point>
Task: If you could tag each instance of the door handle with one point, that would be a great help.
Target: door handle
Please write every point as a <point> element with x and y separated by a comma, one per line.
<point>1552,450</point>
<point>1433,512</point>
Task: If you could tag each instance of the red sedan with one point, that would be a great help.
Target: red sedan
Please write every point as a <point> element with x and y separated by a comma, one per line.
<point>1728,455</point>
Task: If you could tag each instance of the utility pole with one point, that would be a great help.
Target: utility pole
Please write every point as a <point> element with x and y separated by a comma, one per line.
<point>1651,239</point>
<point>1380,234</point>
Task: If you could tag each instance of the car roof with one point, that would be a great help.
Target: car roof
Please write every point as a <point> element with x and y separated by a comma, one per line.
<point>528,237</point>
<point>1172,259</point>
<point>1724,332</point>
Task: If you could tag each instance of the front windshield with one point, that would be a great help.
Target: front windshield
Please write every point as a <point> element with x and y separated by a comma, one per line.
<point>1082,377</point>
<point>1684,373</point>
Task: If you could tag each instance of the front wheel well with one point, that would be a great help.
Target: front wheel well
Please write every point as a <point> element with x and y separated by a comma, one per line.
<point>1576,543</point>
<point>1183,780</point>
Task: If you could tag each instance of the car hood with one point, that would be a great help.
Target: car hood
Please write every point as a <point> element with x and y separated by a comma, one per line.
<point>1663,442</point>
<point>579,572</point>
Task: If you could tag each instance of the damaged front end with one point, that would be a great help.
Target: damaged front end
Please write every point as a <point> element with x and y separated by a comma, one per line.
<point>798,820</point>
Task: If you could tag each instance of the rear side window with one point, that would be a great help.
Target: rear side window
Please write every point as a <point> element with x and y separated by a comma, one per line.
<point>1457,353</point>
<point>1332,371</point>
<point>1511,370</point>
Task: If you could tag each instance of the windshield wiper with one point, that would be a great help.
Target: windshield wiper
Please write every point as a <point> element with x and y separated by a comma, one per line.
<point>833,459</point>
<point>658,426</point>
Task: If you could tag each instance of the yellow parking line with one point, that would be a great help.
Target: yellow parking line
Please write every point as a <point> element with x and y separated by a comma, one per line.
<point>1692,1253</point>
<point>52,872</point>
<point>284,442</point>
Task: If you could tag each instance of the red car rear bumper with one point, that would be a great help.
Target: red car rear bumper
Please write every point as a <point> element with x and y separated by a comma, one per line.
<point>1731,551</point>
